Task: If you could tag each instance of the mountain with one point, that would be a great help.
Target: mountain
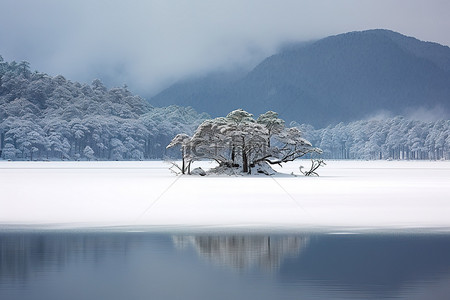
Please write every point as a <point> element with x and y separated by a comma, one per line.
<point>340,78</point>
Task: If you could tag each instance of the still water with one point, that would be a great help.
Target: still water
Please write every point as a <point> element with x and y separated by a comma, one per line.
<point>130,265</point>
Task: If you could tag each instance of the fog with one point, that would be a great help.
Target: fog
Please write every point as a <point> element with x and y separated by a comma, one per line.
<point>150,44</point>
<point>423,114</point>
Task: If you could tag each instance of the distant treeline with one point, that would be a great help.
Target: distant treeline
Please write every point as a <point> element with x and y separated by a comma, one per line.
<point>393,138</point>
<point>44,117</point>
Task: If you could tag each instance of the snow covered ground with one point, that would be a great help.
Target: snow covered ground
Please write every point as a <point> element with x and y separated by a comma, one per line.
<point>348,196</point>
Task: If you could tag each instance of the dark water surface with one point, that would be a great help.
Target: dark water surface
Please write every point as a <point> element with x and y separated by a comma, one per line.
<point>127,265</point>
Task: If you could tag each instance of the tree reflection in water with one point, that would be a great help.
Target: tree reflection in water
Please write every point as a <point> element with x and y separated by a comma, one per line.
<point>25,254</point>
<point>114,265</point>
<point>244,252</point>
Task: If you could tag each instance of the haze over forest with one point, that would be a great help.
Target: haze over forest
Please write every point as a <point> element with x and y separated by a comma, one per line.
<point>151,44</point>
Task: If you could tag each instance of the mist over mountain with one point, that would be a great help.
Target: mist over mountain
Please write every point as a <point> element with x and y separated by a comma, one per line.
<point>340,78</point>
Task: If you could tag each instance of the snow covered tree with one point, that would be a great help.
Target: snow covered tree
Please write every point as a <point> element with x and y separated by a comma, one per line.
<point>273,124</point>
<point>239,143</point>
<point>88,153</point>
<point>117,149</point>
<point>183,141</point>
<point>9,151</point>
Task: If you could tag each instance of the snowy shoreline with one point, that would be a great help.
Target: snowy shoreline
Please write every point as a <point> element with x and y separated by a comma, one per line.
<point>349,196</point>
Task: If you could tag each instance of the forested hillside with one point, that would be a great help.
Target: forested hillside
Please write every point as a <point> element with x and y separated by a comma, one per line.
<point>44,117</point>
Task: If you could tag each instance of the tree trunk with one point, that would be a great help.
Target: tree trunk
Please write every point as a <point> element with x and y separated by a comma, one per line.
<point>244,157</point>
<point>233,154</point>
<point>182,158</point>
<point>244,162</point>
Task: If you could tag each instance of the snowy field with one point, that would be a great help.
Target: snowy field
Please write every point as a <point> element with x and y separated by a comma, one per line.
<point>348,196</point>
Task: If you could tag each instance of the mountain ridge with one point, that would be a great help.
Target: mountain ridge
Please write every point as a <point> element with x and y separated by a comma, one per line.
<point>343,77</point>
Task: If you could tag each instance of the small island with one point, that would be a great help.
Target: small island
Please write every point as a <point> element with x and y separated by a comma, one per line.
<point>242,145</point>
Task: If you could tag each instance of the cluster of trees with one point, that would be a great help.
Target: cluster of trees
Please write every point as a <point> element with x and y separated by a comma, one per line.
<point>44,117</point>
<point>392,138</point>
<point>240,142</point>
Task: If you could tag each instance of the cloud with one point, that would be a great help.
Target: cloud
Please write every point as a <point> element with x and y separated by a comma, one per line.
<point>427,114</point>
<point>149,44</point>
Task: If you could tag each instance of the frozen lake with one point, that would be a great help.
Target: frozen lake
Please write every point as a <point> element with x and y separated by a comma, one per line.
<point>134,230</point>
<point>348,196</point>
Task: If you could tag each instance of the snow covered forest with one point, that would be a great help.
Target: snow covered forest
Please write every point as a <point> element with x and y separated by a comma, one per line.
<point>392,138</point>
<point>44,117</point>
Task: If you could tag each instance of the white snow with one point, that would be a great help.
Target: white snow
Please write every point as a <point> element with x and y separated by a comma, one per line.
<point>348,196</point>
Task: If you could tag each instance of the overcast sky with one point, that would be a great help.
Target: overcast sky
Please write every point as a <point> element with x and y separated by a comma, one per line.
<point>148,44</point>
